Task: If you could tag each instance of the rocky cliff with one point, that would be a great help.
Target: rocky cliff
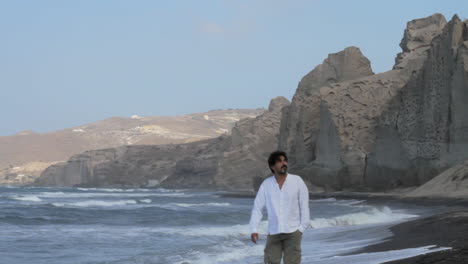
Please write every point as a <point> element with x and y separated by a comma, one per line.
<point>424,128</point>
<point>228,161</point>
<point>300,121</point>
<point>346,128</point>
<point>251,142</point>
<point>19,151</point>
<point>389,130</point>
<point>138,166</point>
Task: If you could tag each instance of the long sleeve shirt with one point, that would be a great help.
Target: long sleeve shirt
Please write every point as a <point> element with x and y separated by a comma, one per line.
<point>287,208</point>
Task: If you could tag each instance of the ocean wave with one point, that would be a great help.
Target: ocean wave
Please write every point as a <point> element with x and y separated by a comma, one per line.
<point>114,190</point>
<point>202,204</point>
<point>97,194</point>
<point>146,201</point>
<point>29,198</point>
<point>373,216</point>
<point>189,206</point>
<point>95,203</point>
<point>168,190</point>
<point>225,252</point>
<point>349,202</point>
<point>223,231</point>
<point>338,202</point>
<point>325,200</point>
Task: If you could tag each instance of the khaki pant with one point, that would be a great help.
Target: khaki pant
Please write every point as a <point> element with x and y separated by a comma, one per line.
<point>288,244</point>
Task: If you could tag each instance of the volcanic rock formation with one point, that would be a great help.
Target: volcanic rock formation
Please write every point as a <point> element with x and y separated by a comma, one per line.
<point>346,128</point>
<point>19,151</point>
<point>394,129</point>
<point>203,164</point>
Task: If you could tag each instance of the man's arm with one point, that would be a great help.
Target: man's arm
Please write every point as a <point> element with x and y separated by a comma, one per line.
<point>257,215</point>
<point>304,206</point>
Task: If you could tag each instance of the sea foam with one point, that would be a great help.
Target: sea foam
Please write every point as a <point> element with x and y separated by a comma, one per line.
<point>97,194</point>
<point>113,190</point>
<point>372,216</point>
<point>223,231</point>
<point>29,198</point>
<point>95,203</point>
<point>201,204</point>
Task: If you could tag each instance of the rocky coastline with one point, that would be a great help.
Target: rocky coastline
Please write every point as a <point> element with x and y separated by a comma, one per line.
<point>346,129</point>
<point>446,229</point>
<point>399,136</point>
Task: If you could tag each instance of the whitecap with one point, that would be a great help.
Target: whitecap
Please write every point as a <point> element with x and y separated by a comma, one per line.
<point>96,203</point>
<point>223,231</point>
<point>114,190</point>
<point>325,200</point>
<point>97,194</point>
<point>226,252</point>
<point>202,204</point>
<point>349,202</point>
<point>29,198</point>
<point>372,216</point>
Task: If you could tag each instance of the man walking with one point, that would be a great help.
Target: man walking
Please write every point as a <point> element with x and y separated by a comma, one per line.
<point>287,201</point>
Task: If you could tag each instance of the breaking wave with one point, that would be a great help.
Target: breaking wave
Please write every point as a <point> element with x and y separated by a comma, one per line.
<point>95,203</point>
<point>29,198</point>
<point>97,194</point>
<point>373,216</point>
<point>202,204</point>
<point>223,231</point>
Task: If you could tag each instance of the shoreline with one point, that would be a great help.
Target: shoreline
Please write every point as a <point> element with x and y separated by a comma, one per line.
<point>374,198</point>
<point>441,230</point>
<point>447,229</point>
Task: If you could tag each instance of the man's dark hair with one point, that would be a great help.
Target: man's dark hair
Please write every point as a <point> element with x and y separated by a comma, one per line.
<point>274,157</point>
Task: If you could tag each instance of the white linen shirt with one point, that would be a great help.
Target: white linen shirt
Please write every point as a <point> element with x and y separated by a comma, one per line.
<point>287,208</point>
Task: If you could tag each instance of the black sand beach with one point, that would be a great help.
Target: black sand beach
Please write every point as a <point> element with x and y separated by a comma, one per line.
<point>446,230</point>
<point>443,230</point>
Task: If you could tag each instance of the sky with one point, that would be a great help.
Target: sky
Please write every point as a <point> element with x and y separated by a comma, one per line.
<point>68,63</point>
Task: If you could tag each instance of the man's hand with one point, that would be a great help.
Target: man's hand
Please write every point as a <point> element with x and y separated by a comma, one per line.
<point>254,237</point>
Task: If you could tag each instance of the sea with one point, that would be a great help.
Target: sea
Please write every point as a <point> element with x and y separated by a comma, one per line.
<point>93,225</point>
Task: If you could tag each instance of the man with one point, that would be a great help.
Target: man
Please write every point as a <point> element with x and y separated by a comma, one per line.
<point>287,201</point>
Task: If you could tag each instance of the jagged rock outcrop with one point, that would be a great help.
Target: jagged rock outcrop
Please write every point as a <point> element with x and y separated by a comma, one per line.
<point>225,162</point>
<point>346,127</point>
<point>391,129</point>
<point>139,166</point>
<point>300,121</point>
<point>348,117</point>
<point>424,129</point>
<point>417,39</point>
<point>25,147</point>
<point>252,140</point>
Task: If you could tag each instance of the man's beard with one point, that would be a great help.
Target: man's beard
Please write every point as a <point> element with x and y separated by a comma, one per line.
<point>283,170</point>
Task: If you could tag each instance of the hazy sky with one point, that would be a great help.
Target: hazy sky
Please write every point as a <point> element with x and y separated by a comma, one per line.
<point>67,63</point>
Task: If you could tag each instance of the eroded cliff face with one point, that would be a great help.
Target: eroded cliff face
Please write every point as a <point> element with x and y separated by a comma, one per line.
<point>25,155</point>
<point>228,162</point>
<point>252,141</point>
<point>424,129</point>
<point>300,121</point>
<point>346,127</point>
<point>394,129</point>
<point>139,166</point>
